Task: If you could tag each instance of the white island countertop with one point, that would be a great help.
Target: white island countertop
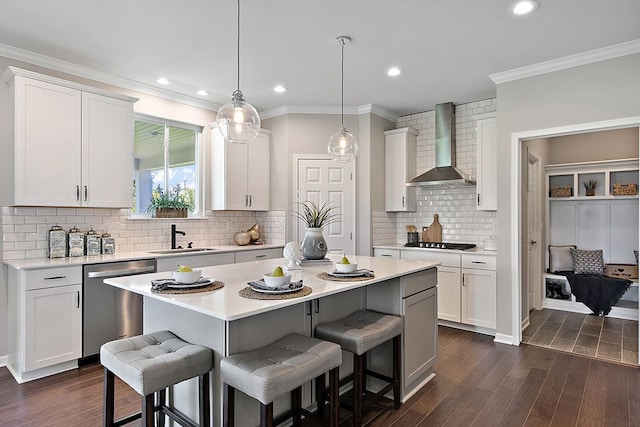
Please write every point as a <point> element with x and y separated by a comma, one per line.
<point>227,305</point>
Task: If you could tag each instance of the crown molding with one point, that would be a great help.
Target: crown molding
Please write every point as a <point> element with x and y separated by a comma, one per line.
<point>99,76</point>
<point>603,54</point>
<point>328,110</point>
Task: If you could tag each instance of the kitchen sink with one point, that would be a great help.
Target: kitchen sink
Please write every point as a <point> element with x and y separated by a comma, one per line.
<point>182,251</point>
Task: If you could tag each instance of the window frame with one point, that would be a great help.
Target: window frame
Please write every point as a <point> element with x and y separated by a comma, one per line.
<point>199,209</point>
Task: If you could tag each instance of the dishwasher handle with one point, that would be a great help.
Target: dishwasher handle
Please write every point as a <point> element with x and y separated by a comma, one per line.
<point>120,273</point>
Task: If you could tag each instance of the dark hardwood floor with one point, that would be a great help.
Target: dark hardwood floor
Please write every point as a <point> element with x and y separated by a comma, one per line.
<point>477,383</point>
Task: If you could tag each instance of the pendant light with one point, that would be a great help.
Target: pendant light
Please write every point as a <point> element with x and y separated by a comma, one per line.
<point>238,121</point>
<point>343,146</point>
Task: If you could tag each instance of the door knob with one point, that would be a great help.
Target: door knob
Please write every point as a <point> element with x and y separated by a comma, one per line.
<point>533,242</point>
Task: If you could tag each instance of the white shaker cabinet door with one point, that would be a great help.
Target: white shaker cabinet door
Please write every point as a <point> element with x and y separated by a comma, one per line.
<point>479,297</point>
<point>420,337</point>
<point>449,294</point>
<point>107,151</point>
<point>487,165</point>
<point>258,168</point>
<point>400,167</point>
<point>53,326</point>
<point>47,144</point>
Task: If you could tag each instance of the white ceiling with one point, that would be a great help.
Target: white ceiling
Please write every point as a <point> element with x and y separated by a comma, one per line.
<point>447,48</point>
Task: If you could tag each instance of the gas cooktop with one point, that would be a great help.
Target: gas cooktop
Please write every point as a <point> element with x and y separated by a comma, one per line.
<point>441,245</point>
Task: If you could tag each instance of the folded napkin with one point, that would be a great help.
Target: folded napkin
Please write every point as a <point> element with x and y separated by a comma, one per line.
<point>259,284</point>
<point>161,284</point>
<point>363,272</point>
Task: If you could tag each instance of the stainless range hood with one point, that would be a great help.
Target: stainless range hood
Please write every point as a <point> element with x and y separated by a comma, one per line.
<point>445,171</point>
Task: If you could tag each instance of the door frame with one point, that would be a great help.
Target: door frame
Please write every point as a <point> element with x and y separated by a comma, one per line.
<point>352,189</point>
<point>518,151</point>
<point>534,185</point>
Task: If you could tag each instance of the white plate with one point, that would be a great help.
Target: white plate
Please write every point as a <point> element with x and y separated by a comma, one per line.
<point>354,274</point>
<point>275,291</point>
<point>197,284</point>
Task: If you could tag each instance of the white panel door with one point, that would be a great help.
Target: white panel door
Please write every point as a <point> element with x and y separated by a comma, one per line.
<point>322,180</point>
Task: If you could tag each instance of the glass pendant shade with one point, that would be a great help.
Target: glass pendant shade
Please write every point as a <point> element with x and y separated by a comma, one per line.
<point>343,146</point>
<point>238,121</point>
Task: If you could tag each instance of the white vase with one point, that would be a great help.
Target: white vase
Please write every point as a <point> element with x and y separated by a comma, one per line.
<point>313,245</point>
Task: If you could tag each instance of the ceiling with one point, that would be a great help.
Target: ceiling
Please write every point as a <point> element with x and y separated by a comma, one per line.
<point>447,49</point>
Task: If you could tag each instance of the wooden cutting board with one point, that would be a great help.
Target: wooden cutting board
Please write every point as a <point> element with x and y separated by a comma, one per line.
<point>435,230</point>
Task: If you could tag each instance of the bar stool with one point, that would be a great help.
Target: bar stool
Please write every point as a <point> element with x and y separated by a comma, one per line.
<point>358,333</point>
<point>149,364</point>
<point>279,368</point>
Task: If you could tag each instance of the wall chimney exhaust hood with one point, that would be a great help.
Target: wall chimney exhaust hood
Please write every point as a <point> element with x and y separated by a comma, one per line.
<point>445,172</point>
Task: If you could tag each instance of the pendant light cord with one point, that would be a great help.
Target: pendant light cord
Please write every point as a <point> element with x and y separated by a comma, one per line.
<point>342,85</point>
<point>238,44</point>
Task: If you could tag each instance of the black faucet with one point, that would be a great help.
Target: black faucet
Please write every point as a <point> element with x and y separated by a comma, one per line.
<point>173,235</point>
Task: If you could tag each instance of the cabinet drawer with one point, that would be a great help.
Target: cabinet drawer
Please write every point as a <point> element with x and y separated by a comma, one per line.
<point>257,255</point>
<point>387,253</point>
<point>418,282</point>
<point>53,277</point>
<point>446,259</point>
<point>481,262</point>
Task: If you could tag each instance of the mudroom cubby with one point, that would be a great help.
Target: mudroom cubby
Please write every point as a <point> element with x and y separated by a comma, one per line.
<point>607,220</point>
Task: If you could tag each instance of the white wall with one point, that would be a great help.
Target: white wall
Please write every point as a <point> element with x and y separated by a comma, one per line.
<point>589,93</point>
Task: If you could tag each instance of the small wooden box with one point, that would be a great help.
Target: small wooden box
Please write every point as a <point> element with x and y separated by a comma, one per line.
<point>621,271</point>
<point>561,191</point>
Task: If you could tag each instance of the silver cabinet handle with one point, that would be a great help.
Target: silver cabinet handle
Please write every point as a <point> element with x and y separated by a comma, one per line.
<point>246,200</point>
<point>85,193</point>
<point>463,279</point>
<point>77,299</point>
<point>478,262</point>
<point>77,193</point>
<point>250,200</point>
<point>261,256</point>
<point>317,310</point>
<point>403,201</point>
<point>386,255</point>
<point>478,199</point>
<point>55,277</point>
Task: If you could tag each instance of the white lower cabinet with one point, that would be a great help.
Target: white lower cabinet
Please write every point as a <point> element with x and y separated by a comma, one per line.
<point>479,290</point>
<point>449,294</point>
<point>45,321</point>
<point>258,255</point>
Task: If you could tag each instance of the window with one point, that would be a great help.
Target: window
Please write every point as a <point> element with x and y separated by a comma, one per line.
<point>166,163</point>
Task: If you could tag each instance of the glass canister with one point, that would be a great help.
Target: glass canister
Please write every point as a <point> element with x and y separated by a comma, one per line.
<point>76,242</point>
<point>108,244</point>
<point>57,242</point>
<point>92,243</point>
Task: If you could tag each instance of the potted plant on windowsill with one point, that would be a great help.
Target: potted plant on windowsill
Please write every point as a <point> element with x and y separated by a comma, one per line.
<point>316,218</point>
<point>177,203</point>
<point>590,187</point>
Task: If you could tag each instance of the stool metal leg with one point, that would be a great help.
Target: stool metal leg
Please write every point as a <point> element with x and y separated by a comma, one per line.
<point>147,410</point>
<point>162,394</point>
<point>358,374</point>
<point>228,405</point>
<point>296,404</point>
<point>266,415</point>
<point>203,392</point>
<point>108,399</point>
<point>334,397</point>
<point>397,348</point>
<point>320,395</point>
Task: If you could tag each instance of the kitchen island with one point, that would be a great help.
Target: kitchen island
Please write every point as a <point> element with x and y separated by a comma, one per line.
<point>229,323</point>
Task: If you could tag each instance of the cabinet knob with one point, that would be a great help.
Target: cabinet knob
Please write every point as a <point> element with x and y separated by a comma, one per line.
<point>85,193</point>
<point>77,193</point>
<point>403,201</point>
<point>533,242</point>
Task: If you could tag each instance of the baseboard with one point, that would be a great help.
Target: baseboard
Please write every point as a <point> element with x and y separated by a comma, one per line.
<point>465,327</point>
<point>504,339</point>
<point>525,323</point>
<point>3,360</point>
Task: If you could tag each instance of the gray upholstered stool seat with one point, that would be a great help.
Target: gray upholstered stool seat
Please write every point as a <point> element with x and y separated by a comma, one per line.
<point>150,363</point>
<point>276,369</point>
<point>358,333</point>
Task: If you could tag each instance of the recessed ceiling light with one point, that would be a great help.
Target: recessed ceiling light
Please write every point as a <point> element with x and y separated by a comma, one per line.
<point>394,71</point>
<point>280,89</point>
<point>162,81</point>
<point>523,7</point>
<point>202,92</point>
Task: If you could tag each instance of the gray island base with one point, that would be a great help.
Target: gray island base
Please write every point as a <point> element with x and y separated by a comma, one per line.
<point>228,323</point>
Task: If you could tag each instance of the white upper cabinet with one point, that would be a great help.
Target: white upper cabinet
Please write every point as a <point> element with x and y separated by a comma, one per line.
<point>399,168</point>
<point>487,165</point>
<point>240,173</point>
<point>72,147</point>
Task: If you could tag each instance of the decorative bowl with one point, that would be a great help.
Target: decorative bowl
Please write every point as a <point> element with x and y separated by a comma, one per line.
<point>276,281</point>
<point>346,268</point>
<point>187,277</point>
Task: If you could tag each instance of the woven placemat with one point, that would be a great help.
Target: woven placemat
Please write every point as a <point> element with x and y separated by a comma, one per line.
<point>251,294</point>
<point>327,276</point>
<point>211,287</point>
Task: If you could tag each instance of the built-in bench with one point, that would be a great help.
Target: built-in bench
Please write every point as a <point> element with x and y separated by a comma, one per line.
<point>558,296</point>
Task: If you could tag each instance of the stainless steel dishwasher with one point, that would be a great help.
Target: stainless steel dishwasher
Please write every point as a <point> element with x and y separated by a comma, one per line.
<point>110,313</point>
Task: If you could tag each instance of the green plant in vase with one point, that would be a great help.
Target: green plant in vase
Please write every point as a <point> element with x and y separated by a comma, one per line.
<point>315,217</point>
<point>590,187</point>
<point>176,203</point>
